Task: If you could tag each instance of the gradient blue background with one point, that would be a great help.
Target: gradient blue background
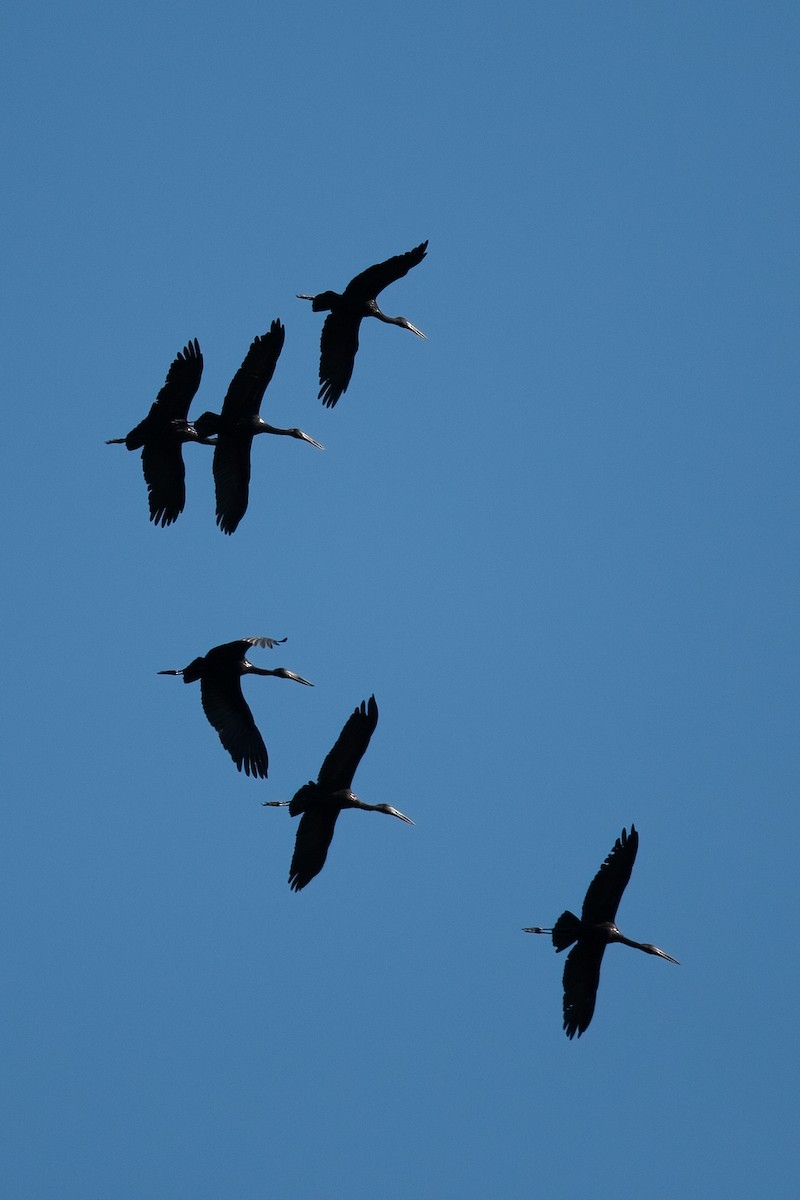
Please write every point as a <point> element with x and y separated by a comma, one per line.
<point>558,541</point>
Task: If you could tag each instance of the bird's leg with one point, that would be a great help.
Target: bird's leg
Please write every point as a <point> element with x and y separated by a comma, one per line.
<point>536,929</point>
<point>275,803</point>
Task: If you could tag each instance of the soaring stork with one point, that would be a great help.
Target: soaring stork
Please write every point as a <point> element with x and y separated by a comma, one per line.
<point>320,803</point>
<point>162,433</point>
<point>220,673</point>
<point>592,932</point>
<point>238,424</point>
<point>340,332</point>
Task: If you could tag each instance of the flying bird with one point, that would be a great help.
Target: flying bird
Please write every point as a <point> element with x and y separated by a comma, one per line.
<point>340,332</point>
<point>320,803</point>
<point>220,674</point>
<point>592,932</point>
<point>238,424</point>
<point>162,433</point>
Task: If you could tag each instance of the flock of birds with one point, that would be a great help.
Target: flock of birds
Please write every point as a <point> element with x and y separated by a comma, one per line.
<point>162,433</point>
<point>160,437</point>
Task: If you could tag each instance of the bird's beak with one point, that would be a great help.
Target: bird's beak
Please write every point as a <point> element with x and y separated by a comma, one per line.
<point>418,332</point>
<point>311,441</point>
<point>401,816</point>
<point>297,678</point>
<point>661,954</point>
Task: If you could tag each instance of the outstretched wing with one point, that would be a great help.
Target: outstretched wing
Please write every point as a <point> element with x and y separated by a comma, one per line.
<point>231,479</point>
<point>165,475</point>
<point>605,891</point>
<point>371,282</point>
<point>183,380</point>
<point>340,764</point>
<point>314,834</point>
<point>246,390</point>
<point>338,346</point>
<point>227,710</point>
<point>581,977</point>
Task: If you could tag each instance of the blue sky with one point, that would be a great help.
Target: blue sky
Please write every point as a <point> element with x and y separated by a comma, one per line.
<point>558,541</point>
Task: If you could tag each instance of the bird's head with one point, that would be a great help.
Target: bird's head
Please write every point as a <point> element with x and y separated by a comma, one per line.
<point>192,434</point>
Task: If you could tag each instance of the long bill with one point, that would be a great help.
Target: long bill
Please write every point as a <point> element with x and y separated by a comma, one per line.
<point>280,673</point>
<point>401,816</point>
<point>418,332</point>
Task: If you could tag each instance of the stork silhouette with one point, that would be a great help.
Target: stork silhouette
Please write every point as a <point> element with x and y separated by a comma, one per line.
<point>592,932</point>
<point>339,341</point>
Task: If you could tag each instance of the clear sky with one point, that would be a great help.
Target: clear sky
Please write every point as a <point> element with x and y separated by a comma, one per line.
<point>558,541</point>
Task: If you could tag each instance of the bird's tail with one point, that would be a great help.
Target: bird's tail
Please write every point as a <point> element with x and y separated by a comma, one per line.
<point>566,930</point>
<point>191,673</point>
<point>136,437</point>
<point>207,423</point>
<point>297,804</point>
<point>134,440</point>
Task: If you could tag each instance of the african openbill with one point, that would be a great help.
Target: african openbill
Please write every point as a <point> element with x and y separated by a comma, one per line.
<point>320,803</point>
<point>593,931</point>
<point>162,433</point>
<point>239,422</point>
<point>220,674</point>
<point>339,341</point>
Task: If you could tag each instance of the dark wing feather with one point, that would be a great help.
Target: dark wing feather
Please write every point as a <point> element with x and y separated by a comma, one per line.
<point>338,346</point>
<point>227,710</point>
<point>183,380</point>
<point>581,977</point>
<point>246,390</point>
<point>371,282</point>
<point>266,643</point>
<point>165,475</point>
<point>314,834</point>
<point>605,890</point>
<point>232,478</point>
<point>340,765</point>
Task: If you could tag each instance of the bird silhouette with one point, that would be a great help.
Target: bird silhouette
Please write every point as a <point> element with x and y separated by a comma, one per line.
<point>320,803</point>
<point>238,424</point>
<point>339,341</point>
<point>162,433</point>
<point>220,673</point>
<point>592,932</point>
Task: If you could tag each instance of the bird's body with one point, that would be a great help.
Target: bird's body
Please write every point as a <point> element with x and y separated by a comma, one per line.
<point>319,804</point>
<point>339,341</point>
<point>593,931</point>
<point>162,433</point>
<point>220,673</point>
<point>239,422</point>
